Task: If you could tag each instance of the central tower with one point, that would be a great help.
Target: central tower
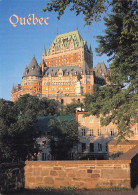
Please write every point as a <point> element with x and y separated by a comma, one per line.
<point>68,49</point>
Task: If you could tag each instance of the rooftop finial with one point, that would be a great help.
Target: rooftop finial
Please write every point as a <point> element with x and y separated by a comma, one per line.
<point>57,31</point>
<point>34,53</point>
<point>13,88</point>
<point>44,51</point>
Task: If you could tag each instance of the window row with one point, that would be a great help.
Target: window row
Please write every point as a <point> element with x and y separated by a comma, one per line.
<point>56,83</point>
<point>94,147</point>
<point>57,78</point>
<point>59,89</point>
<point>98,132</point>
<point>91,119</point>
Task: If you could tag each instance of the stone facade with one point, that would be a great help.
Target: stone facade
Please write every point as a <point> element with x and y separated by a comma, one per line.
<point>96,142</point>
<point>99,142</point>
<point>82,174</point>
<point>65,73</point>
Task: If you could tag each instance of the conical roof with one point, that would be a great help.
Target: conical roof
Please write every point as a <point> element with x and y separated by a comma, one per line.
<point>33,69</point>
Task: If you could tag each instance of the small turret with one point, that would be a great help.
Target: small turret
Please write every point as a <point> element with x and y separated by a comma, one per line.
<point>13,88</point>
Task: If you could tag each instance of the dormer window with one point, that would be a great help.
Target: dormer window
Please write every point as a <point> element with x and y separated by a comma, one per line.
<point>33,67</point>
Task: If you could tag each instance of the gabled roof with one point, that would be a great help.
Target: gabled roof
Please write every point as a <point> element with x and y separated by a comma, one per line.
<point>66,38</point>
<point>100,69</point>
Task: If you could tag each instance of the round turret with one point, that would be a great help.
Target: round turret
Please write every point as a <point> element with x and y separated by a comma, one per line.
<point>33,69</point>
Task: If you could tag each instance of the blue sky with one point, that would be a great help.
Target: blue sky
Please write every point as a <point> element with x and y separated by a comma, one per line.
<point>19,44</point>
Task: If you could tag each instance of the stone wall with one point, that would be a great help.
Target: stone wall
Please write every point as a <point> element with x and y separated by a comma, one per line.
<point>11,177</point>
<point>82,174</point>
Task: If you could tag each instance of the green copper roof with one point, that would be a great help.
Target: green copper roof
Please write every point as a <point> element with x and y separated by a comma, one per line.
<point>66,38</point>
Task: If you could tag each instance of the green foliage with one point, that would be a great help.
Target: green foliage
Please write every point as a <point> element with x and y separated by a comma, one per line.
<point>18,126</point>
<point>92,10</point>
<point>17,132</point>
<point>120,44</point>
<point>64,135</point>
<point>40,107</point>
<point>70,109</point>
<point>117,101</point>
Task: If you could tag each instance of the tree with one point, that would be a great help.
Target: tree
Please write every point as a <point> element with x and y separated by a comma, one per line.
<point>18,132</point>
<point>19,128</point>
<point>64,135</point>
<point>49,107</point>
<point>117,101</point>
<point>92,9</point>
<point>40,107</point>
<point>70,109</point>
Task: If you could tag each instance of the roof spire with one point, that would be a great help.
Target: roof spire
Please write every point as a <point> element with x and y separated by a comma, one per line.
<point>90,48</point>
<point>57,31</point>
<point>44,51</point>
<point>34,53</point>
<point>77,27</point>
<point>13,88</point>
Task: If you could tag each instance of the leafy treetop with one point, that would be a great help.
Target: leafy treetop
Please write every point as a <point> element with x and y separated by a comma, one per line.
<point>117,101</point>
<point>18,126</point>
<point>64,135</point>
<point>91,9</point>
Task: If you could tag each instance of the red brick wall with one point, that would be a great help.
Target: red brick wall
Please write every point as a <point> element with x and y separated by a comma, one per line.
<point>82,174</point>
